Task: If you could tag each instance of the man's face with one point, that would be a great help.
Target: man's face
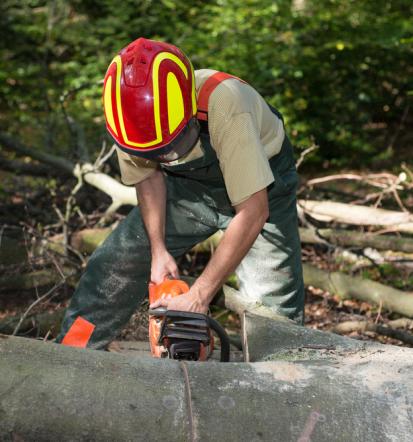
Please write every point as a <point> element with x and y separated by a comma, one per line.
<point>181,145</point>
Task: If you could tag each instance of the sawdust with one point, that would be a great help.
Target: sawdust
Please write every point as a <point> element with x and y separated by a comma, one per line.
<point>283,371</point>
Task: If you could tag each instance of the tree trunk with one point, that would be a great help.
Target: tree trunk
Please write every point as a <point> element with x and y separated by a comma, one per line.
<point>52,392</point>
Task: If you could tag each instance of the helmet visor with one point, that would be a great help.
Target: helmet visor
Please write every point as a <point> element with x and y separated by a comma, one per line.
<point>174,150</point>
<point>182,144</point>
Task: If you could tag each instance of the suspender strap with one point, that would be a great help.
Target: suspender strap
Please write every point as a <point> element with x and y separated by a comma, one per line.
<point>206,90</point>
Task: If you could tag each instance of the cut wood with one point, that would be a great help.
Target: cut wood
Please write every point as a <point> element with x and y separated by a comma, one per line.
<point>346,286</point>
<point>331,211</point>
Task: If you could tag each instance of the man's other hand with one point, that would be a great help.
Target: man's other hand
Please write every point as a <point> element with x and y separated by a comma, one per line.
<point>163,266</point>
<point>188,302</point>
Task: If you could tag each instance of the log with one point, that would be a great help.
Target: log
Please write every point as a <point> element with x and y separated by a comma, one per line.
<point>52,392</point>
<point>351,238</point>
<point>346,286</point>
<point>350,326</point>
<point>84,241</point>
<point>38,278</point>
<point>331,211</point>
<point>41,322</point>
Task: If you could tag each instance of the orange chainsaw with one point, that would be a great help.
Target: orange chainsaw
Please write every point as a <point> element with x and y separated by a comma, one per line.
<point>182,335</point>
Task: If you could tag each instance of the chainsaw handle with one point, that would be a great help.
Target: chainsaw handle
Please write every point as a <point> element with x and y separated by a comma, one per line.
<point>160,311</point>
<point>223,337</point>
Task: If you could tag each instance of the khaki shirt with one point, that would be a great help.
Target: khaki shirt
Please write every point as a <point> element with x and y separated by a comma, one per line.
<point>243,131</point>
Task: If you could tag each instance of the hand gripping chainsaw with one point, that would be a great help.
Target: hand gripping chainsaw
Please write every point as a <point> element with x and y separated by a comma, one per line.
<point>182,335</point>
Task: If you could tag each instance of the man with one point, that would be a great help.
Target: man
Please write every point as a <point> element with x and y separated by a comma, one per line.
<point>205,152</point>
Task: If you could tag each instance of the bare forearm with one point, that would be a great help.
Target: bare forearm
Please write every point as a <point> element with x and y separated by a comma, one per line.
<point>152,201</point>
<point>237,240</point>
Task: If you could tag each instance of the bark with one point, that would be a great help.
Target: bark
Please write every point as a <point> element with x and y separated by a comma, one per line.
<point>331,211</point>
<point>52,392</point>
<point>356,239</point>
<point>362,289</point>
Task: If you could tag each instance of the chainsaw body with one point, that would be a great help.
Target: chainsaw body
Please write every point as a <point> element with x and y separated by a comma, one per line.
<point>181,335</point>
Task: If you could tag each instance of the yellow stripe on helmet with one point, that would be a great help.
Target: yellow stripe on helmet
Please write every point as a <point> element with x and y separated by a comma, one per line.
<point>194,106</point>
<point>107,102</point>
<point>176,111</point>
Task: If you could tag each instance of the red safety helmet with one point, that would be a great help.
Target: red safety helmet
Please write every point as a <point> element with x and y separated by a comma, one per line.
<point>150,102</point>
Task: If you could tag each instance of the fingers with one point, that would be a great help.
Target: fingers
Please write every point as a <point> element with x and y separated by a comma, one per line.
<point>162,302</point>
<point>175,274</point>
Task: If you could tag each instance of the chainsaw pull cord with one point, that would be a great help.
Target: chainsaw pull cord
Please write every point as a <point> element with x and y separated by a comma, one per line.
<point>223,337</point>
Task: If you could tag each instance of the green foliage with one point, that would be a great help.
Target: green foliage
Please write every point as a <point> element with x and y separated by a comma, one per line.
<point>340,71</point>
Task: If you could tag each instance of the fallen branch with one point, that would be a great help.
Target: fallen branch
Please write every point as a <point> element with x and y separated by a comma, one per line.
<point>331,211</point>
<point>39,278</point>
<point>304,153</point>
<point>120,194</point>
<point>363,326</point>
<point>48,294</point>
<point>351,238</point>
<point>41,322</point>
<point>19,167</point>
<point>346,286</point>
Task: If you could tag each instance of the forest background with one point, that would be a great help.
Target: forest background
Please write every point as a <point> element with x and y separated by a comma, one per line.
<point>339,71</point>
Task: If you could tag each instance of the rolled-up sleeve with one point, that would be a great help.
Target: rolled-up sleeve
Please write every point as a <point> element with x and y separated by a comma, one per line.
<point>133,170</point>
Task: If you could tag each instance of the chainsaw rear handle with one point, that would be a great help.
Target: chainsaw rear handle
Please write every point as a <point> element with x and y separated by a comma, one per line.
<point>212,324</point>
<point>223,337</point>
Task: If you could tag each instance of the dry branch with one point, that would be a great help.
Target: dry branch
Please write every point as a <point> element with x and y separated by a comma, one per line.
<point>41,322</point>
<point>363,326</point>
<point>331,211</point>
<point>120,194</point>
<point>340,237</point>
<point>38,278</point>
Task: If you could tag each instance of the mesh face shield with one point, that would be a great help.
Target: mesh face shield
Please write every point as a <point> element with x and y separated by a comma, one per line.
<point>177,148</point>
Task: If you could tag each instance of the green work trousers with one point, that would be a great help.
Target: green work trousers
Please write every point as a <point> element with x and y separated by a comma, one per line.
<point>116,278</point>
